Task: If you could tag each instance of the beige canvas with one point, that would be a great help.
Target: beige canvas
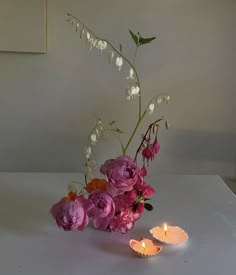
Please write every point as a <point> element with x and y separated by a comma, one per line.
<point>23,25</point>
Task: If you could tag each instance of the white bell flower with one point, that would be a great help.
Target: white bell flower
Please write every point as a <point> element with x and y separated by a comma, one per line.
<point>132,92</point>
<point>159,100</point>
<point>88,35</point>
<point>119,62</point>
<point>93,138</point>
<point>90,43</point>
<point>151,108</point>
<point>87,152</point>
<point>110,56</point>
<point>101,45</point>
<point>131,74</point>
<point>167,98</point>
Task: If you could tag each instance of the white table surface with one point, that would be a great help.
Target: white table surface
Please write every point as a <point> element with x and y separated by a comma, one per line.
<point>31,243</point>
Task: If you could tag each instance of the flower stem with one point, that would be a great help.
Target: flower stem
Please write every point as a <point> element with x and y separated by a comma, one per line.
<point>134,131</point>
<point>135,53</point>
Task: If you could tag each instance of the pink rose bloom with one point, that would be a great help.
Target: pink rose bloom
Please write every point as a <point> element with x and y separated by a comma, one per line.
<point>103,209</point>
<point>122,173</point>
<point>71,214</point>
<point>122,222</point>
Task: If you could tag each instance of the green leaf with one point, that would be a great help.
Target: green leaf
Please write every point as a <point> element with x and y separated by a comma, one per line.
<point>135,37</point>
<point>146,199</point>
<point>148,206</point>
<point>143,40</point>
<point>112,122</point>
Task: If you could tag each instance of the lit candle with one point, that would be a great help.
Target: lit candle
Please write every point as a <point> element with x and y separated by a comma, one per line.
<point>165,228</point>
<point>169,234</point>
<point>143,244</point>
<point>144,247</point>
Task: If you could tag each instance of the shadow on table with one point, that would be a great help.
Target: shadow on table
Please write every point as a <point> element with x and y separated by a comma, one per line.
<point>23,212</point>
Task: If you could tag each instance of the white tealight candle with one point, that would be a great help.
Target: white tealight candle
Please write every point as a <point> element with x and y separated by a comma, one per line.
<point>169,234</point>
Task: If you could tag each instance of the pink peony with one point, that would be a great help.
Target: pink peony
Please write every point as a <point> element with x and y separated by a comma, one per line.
<point>71,214</point>
<point>103,209</point>
<point>122,173</point>
<point>122,222</point>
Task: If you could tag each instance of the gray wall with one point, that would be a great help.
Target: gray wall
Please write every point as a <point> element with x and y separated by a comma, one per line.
<point>49,102</point>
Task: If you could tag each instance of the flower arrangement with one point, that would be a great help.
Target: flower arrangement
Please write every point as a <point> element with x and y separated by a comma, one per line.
<point>116,201</point>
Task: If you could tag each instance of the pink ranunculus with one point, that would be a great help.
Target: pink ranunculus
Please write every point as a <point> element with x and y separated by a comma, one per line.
<point>148,153</point>
<point>71,214</point>
<point>103,209</point>
<point>156,146</point>
<point>123,222</point>
<point>122,173</point>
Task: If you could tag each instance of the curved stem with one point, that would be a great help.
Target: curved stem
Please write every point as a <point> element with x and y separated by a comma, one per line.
<point>134,131</point>
<point>117,51</point>
<point>135,53</point>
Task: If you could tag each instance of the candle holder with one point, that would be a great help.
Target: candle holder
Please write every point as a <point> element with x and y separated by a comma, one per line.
<point>144,247</point>
<point>169,234</point>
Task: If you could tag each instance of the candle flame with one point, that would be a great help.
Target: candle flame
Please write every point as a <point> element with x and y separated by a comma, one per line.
<point>143,244</point>
<point>165,227</point>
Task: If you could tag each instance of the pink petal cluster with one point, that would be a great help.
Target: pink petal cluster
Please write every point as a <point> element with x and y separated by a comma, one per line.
<point>150,151</point>
<point>116,209</point>
<point>71,214</point>
<point>121,173</point>
<point>103,209</point>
